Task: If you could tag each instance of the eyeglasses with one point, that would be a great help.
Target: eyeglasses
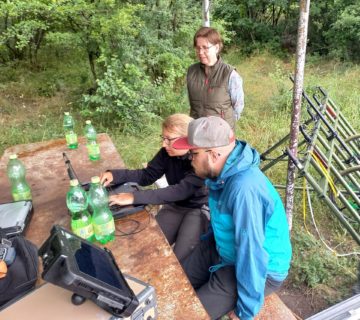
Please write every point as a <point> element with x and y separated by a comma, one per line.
<point>205,49</point>
<point>192,154</point>
<point>168,140</point>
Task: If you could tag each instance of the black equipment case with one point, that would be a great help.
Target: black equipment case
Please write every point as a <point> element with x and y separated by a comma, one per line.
<point>87,270</point>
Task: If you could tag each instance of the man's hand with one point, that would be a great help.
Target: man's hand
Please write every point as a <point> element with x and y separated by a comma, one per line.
<point>233,316</point>
<point>122,199</point>
<point>106,178</point>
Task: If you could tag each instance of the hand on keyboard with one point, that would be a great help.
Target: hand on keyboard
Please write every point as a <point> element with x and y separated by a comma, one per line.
<point>121,199</point>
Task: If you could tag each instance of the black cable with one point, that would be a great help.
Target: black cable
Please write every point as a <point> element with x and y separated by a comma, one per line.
<point>135,230</point>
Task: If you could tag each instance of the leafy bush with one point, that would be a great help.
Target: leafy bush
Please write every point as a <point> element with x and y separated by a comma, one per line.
<point>144,79</point>
<point>124,95</point>
<point>344,35</point>
<point>129,98</point>
<point>313,265</point>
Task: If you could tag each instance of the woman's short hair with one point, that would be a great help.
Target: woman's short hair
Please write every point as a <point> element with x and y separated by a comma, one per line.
<point>211,34</point>
<point>177,123</point>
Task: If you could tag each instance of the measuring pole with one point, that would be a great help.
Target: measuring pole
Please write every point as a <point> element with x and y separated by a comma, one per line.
<point>296,105</point>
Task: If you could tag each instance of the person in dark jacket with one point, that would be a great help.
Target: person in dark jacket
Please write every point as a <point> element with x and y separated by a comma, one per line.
<point>180,217</point>
<point>214,87</point>
<point>248,254</point>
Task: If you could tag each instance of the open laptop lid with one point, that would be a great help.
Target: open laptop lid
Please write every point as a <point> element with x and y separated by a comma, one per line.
<point>15,217</point>
<point>116,210</point>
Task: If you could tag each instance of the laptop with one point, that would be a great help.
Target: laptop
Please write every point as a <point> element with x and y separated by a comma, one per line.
<point>15,217</point>
<point>128,187</point>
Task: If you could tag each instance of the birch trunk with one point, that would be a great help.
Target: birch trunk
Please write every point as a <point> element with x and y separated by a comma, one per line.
<point>296,109</point>
<point>206,13</point>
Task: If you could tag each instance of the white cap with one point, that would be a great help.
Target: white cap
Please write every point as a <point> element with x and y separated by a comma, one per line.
<point>88,121</point>
<point>74,182</point>
<point>13,156</point>
<point>95,179</point>
<point>66,113</point>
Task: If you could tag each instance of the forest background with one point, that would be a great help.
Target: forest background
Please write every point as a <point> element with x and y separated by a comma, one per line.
<point>122,64</point>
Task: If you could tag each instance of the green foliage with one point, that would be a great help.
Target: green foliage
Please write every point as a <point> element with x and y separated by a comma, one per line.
<point>23,27</point>
<point>144,78</point>
<point>344,34</point>
<point>312,264</point>
<point>258,23</point>
<point>124,95</point>
<point>128,98</point>
<point>137,51</point>
<point>333,26</point>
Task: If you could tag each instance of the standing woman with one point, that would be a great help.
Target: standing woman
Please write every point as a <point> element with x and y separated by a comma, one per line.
<point>180,217</point>
<point>214,87</point>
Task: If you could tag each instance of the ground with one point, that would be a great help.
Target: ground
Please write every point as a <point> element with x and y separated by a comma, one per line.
<point>302,302</point>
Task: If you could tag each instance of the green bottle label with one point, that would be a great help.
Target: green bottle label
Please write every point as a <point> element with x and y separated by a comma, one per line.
<point>25,195</point>
<point>104,229</point>
<point>94,151</point>
<point>71,138</point>
<point>84,232</point>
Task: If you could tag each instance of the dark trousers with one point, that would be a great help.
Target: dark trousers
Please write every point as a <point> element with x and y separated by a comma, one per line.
<point>216,290</point>
<point>182,226</point>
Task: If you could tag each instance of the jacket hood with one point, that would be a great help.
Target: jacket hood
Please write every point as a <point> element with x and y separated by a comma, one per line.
<point>240,159</point>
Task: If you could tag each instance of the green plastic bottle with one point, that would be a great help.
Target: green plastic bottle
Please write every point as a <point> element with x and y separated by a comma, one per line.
<point>91,143</point>
<point>102,218</point>
<point>16,172</point>
<point>77,203</point>
<point>70,135</point>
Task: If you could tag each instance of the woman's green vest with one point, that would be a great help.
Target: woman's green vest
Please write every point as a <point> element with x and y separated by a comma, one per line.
<point>209,95</point>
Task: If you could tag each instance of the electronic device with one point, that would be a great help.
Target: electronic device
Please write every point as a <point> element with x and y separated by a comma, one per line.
<point>15,217</point>
<point>147,308</point>
<point>7,252</point>
<point>87,270</point>
<point>116,210</point>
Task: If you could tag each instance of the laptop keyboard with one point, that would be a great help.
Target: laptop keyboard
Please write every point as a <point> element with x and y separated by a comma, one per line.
<point>121,211</point>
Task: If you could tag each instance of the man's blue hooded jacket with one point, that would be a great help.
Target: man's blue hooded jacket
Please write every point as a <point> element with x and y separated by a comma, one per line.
<point>250,227</point>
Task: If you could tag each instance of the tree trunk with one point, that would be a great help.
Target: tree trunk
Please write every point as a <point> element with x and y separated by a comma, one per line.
<point>92,58</point>
<point>297,95</point>
<point>206,13</point>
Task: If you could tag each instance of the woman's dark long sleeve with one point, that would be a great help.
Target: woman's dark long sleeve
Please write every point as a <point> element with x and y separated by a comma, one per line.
<point>185,188</point>
<point>189,192</point>
<point>144,177</point>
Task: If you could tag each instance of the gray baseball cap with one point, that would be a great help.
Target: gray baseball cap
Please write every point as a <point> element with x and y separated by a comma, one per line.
<point>206,132</point>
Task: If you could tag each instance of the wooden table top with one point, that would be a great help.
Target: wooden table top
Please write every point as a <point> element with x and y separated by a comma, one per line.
<point>145,255</point>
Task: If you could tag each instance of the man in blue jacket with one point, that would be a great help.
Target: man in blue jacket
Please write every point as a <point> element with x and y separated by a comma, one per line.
<point>248,254</point>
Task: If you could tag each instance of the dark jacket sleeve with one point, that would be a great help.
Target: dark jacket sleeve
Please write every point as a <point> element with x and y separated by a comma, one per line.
<point>174,193</point>
<point>144,177</point>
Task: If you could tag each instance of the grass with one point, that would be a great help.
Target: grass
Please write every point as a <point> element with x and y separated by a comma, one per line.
<point>32,102</point>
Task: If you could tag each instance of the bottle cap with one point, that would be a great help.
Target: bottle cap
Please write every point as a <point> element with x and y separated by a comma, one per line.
<point>13,156</point>
<point>66,113</point>
<point>95,179</point>
<point>74,182</point>
<point>88,121</point>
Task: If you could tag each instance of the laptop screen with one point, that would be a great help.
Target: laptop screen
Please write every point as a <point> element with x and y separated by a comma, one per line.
<point>94,262</point>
